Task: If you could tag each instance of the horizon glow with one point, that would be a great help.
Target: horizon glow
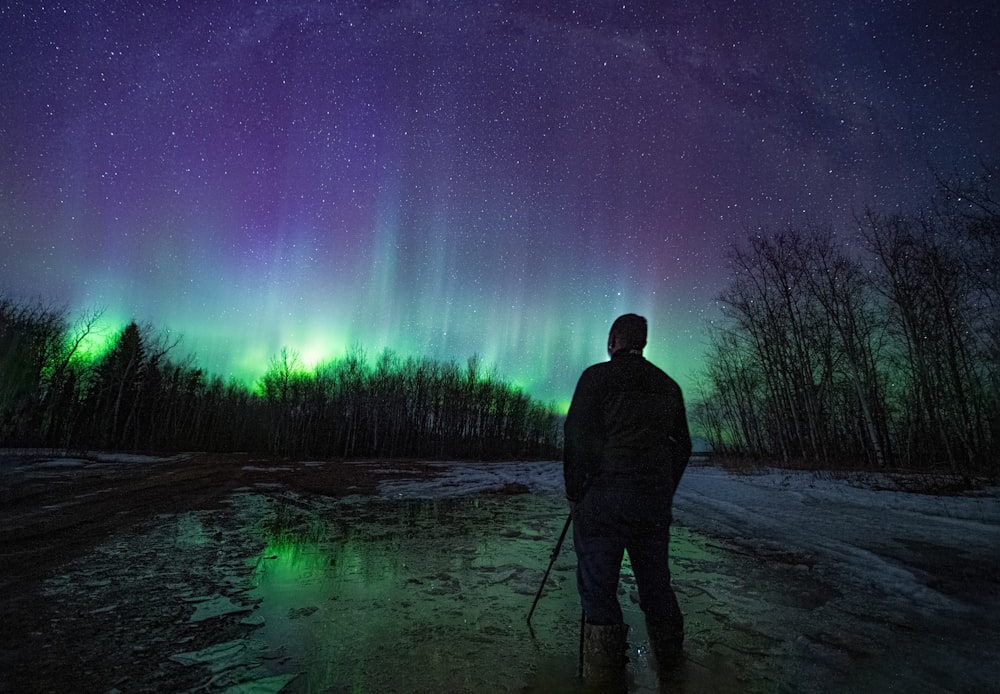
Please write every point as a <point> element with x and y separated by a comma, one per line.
<point>455,179</point>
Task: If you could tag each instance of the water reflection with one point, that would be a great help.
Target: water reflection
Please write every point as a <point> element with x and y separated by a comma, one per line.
<point>422,595</point>
<point>280,592</point>
<point>292,594</point>
<point>432,595</point>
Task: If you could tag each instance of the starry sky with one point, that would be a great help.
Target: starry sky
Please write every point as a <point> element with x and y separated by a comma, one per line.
<point>459,177</point>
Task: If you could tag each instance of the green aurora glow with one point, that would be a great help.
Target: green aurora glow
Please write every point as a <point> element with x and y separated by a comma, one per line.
<point>455,179</point>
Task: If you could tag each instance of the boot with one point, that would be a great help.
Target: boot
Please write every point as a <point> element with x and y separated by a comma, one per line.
<point>604,658</point>
<point>667,643</point>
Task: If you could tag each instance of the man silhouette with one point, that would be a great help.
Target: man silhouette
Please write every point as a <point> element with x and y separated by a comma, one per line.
<point>626,446</point>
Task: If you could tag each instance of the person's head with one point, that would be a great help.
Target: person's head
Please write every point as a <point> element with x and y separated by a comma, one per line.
<point>628,333</point>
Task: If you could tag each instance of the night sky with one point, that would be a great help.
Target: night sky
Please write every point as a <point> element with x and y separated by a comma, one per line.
<point>456,178</point>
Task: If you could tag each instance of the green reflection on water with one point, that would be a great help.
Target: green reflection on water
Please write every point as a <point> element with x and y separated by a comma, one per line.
<point>370,595</point>
<point>428,595</point>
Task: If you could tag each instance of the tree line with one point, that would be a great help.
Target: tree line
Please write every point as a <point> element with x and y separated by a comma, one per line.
<point>136,397</point>
<point>878,347</point>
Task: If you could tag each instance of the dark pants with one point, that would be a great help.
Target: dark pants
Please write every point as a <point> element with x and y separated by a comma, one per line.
<point>609,522</point>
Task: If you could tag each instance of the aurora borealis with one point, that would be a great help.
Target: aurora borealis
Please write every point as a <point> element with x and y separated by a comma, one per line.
<point>455,178</point>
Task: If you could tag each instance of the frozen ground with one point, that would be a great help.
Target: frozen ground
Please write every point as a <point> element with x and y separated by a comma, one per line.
<point>790,583</point>
<point>842,586</point>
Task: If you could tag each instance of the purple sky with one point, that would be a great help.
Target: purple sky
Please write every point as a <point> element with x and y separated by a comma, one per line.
<point>455,178</point>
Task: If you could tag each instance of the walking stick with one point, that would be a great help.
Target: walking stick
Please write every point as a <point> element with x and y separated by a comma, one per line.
<point>552,560</point>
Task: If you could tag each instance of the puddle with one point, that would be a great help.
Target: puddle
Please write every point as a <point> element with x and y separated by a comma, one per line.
<point>425,595</point>
<point>364,594</point>
<point>393,593</point>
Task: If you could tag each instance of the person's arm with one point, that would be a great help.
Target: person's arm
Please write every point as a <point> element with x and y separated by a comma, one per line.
<point>681,440</point>
<point>583,437</point>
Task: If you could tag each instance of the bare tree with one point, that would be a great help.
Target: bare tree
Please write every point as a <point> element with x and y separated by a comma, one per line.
<point>838,283</point>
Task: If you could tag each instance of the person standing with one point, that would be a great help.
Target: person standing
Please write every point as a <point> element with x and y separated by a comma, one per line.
<point>626,447</point>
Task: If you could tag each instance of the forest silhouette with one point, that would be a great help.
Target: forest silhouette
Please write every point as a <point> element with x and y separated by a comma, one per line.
<point>135,397</point>
<point>877,349</point>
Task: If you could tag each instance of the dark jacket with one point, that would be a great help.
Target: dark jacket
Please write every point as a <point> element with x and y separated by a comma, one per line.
<point>626,427</point>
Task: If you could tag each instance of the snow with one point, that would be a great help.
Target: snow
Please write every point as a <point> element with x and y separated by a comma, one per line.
<point>789,581</point>
<point>53,458</point>
<point>67,463</point>
<point>859,533</point>
<point>464,479</point>
<point>845,585</point>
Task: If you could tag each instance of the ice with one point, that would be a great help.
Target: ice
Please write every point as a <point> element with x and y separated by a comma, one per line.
<point>789,581</point>
<point>217,656</point>
<point>264,685</point>
<point>463,479</point>
<point>63,463</point>
<point>865,535</point>
<point>216,606</point>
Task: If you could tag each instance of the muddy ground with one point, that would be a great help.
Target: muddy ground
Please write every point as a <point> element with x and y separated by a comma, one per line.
<point>53,515</point>
<point>230,574</point>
